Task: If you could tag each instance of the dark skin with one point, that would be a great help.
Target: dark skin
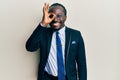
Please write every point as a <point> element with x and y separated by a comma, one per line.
<point>56,17</point>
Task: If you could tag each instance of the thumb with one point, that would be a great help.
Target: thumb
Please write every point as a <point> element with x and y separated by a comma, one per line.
<point>52,16</point>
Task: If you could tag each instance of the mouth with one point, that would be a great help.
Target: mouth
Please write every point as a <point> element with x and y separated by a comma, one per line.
<point>57,24</point>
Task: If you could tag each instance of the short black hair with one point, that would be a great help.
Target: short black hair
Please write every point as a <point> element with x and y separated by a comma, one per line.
<point>58,4</point>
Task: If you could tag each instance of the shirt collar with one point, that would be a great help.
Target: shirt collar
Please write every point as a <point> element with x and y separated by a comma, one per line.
<point>62,30</point>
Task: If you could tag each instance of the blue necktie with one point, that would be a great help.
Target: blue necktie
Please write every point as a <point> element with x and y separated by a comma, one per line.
<point>60,64</point>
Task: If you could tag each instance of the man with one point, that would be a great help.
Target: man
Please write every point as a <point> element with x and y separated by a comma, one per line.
<point>62,52</point>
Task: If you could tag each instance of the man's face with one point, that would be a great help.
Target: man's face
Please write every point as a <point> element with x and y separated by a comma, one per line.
<point>60,18</point>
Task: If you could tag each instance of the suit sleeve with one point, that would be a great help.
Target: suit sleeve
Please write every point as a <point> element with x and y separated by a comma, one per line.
<point>81,60</point>
<point>33,42</point>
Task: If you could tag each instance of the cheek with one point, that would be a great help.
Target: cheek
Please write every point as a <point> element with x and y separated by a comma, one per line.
<point>63,19</point>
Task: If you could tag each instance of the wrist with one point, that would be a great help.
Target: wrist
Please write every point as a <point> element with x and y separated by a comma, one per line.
<point>43,24</point>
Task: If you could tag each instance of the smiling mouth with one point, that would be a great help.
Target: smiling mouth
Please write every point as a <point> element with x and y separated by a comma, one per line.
<point>57,24</point>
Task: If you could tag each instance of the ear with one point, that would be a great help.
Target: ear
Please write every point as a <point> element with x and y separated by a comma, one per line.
<point>65,18</point>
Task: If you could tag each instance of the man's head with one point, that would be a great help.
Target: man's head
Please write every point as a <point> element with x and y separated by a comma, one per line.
<point>60,12</point>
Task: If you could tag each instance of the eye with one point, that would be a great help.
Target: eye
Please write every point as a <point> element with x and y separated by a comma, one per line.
<point>59,16</point>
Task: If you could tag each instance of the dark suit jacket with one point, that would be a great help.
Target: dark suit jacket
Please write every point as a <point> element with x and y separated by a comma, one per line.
<point>74,51</point>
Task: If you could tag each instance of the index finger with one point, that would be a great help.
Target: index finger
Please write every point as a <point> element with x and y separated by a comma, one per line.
<point>52,15</point>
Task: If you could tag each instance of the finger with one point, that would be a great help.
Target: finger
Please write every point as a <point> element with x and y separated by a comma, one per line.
<point>47,6</point>
<point>44,6</point>
<point>52,16</point>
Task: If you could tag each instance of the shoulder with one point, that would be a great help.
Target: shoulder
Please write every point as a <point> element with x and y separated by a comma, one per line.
<point>73,31</point>
<point>76,34</point>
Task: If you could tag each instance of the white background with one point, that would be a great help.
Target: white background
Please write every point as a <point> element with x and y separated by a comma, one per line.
<point>98,21</point>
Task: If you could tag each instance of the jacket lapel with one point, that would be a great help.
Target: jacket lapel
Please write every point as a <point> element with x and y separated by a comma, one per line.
<point>49,39</point>
<point>67,42</point>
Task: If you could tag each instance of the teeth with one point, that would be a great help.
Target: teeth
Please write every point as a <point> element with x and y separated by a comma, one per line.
<point>56,24</point>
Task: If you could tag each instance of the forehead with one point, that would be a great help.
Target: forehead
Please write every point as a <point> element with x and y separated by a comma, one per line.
<point>56,9</point>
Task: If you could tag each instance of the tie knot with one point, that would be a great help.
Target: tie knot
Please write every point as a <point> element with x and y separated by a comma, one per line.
<point>58,41</point>
<point>57,32</point>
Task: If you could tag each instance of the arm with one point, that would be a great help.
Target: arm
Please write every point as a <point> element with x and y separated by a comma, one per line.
<point>33,42</point>
<point>81,60</point>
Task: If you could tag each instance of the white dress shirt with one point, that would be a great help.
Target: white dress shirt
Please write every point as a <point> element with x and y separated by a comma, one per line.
<point>51,66</point>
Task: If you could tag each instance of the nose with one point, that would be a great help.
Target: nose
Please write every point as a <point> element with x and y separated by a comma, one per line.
<point>57,18</point>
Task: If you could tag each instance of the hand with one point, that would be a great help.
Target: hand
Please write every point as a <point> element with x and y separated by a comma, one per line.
<point>47,17</point>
